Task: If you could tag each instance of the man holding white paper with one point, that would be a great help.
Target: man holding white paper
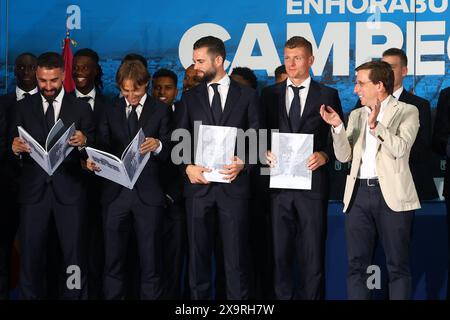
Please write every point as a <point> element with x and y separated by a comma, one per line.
<point>218,101</point>
<point>142,206</point>
<point>41,195</point>
<point>299,216</point>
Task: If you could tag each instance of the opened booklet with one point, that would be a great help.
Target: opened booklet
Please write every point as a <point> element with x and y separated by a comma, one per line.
<point>126,170</point>
<point>57,146</point>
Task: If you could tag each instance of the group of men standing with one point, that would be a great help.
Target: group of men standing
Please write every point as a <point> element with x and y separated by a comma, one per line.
<point>174,205</point>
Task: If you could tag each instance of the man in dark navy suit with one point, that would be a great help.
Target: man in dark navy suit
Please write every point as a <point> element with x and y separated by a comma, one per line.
<point>5,239</point>
<point>87,75</point>
<point>441,139</point>
<point>217,101</point>
<point>61,195</point>
<point>143,206</point>
<point>164,88</point>
<point>299,216</point>
<point>25,73</point>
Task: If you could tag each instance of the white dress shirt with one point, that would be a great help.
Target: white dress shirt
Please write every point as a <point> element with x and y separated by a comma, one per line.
<point>20,94</point>
<point>139,112</point>
<point>91,95</point>
<point>368,168</point>
<point>398,92</point>
<point>223,87</point>
<point>303,93</point>
<point>57,102</point>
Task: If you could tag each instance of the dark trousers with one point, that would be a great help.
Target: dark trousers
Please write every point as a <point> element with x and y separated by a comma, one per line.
<point>447,203</point>
<point>299,230</point>
<point>261,251</point>
<point>231,216</point>
<point>9,222</point>
<point>34,232</point>
<point>125,212</point>
<point>369,217</point>
<point>174,250</point>
<point>94,236</point>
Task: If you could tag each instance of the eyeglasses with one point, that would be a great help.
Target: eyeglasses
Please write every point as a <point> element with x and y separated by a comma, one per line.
<point>361,83</point>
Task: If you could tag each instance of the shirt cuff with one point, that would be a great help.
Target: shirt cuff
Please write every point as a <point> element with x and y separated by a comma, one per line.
<point>157,151</point>
<point>338,129</point>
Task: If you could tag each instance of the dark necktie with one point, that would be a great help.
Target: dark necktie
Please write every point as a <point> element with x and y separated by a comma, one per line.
<point>85,99</point>
<point>216,104</point>
<point>295,110</point>
<point>25,95</point>
<point>50,115</point>
<point>133,121</point>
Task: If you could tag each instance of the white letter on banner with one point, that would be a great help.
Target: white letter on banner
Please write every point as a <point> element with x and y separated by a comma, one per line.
<point>74,20</point>
<point>292,6</point>
<point>366,50</point>
<point>423,48</point>
<point>268,60</point>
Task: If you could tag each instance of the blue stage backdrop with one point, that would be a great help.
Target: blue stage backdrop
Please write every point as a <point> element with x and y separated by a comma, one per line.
<point>344,34</point>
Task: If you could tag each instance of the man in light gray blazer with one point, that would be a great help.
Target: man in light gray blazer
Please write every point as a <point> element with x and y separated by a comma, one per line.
<point>380,196</point>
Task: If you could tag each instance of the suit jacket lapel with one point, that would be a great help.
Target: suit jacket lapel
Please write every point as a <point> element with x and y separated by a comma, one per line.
<point>202,93</point>
<point>363,127</point>
<point>38,110</point>
<point>390,111</point>
<point>121,109</point>
<point>63,111</point>
<point>312,98</point>
<point>234,92</point>
<point>283,116</point>
<point>147,110</point>
<point>389,114</point>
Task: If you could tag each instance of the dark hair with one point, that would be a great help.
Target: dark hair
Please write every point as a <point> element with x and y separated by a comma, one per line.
<point>215,46</point>
<point>280,70</point>
<point>299,42</point>
<point>134,71</point>
<point>380,71</point>
<point>25,54</point>
<point>86,52</point>
<point>134,57</point>
<point>397,53</point>
<point>50,60</point>
<point>247,74</point>
<point>165,73</point>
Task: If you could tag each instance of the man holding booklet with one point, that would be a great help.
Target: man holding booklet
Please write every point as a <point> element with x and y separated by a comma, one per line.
<point>299,216</point>
<point>221,102</point>
<point>146,122</point>
<point>42,195</point>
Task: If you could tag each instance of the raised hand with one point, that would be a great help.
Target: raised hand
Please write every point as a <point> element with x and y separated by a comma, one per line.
<point>330,116</point>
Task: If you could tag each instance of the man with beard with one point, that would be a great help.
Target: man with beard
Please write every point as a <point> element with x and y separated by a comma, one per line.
<point>87,75</point>
<point>61,195</point>
<point>219,101</point>
<point>25,73</point>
